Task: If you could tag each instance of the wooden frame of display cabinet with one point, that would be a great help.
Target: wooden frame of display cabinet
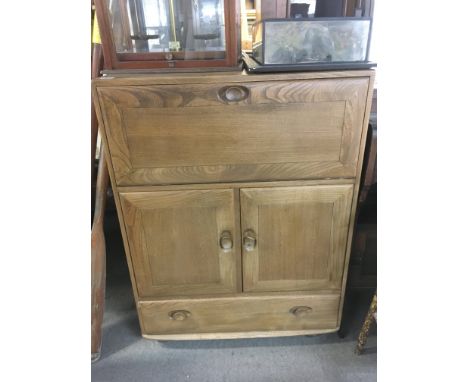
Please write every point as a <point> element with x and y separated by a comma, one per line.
<point>183,60</point>
<point>236,197</point>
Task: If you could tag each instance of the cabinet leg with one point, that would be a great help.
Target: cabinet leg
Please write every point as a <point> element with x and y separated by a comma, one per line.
<point>362,339</point>
<point>98,259</point>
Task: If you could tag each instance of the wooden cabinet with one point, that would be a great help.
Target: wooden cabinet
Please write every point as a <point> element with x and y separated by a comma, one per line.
<point>236,197</point>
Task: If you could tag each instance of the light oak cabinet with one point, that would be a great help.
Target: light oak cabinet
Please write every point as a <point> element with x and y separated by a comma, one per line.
<point>236,197</point>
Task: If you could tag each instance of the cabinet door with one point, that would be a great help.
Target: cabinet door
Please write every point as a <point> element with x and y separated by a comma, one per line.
<point>294,238</point>
<point>253,131</point>
<point>175,241</point>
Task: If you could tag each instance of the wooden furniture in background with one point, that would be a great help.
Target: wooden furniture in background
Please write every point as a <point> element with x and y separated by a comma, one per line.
<point>96,66</point>
<point>236,197</point>
<point>128,58</point>
<point>98,244</point>
<point>370,318</point>
<point>98,258</point>
<point>248,18</point>
<point>270,9</point>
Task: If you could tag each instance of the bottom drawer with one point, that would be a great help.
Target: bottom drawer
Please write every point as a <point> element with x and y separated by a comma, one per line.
<point>247,316</point>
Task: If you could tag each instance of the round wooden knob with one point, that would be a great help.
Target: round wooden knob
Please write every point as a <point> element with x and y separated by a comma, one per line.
<point>301,311</point>
<point>233,93</point>
<point>179,315</point>
<point>225,241</point>
<point>249,240</point>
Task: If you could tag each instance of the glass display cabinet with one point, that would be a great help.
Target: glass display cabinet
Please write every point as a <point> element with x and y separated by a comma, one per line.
<point>312,40</point>
<point>148,34</point>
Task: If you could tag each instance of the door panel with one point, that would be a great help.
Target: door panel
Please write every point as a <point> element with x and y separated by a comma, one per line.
<point>301,235</point>
<point>274,130</point>
<point>174,239</point>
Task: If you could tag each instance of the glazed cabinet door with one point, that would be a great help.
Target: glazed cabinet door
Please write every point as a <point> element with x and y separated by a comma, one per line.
<point>294,238</point>
<point>182,242</point>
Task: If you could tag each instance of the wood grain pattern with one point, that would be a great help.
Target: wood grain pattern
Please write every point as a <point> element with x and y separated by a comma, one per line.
<point>193,91</point>
<point>235,185</point>
<point>240,314</point>
<point>115,78</point>
<point>119,213</point>
<point>302,234</point>
<point>174,241</point>
<point>281,130</point>
<point>237,335</point>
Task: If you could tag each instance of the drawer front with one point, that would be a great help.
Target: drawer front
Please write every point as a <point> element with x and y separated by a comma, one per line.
<point>198,133</point>
<point>240,314</point>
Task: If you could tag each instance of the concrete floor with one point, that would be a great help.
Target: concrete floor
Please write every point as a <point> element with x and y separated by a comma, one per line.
<point>127,357</point>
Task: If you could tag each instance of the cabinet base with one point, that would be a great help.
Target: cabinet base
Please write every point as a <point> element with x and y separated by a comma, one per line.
<point>236,335</point>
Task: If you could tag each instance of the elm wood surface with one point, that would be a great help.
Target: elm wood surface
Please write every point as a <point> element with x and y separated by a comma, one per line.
<point>237,79</point>
<point>174,241</point>
<point>301,237</point>
<point>135,78</point>
<point>235,185</point>
<point>154,127</point>
<point>245,314</point>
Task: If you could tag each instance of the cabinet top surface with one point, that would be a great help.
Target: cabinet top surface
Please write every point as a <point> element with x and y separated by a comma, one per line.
<point>216,77</point>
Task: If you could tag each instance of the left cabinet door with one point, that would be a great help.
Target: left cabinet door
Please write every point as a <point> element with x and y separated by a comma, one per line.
<point>183,242</point>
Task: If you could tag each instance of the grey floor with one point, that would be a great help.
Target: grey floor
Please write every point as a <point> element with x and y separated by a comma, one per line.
<point>126,356</point>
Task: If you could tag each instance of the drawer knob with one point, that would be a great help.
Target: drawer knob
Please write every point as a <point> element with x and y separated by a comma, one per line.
<point>300,311</point>
<point>233,93</point>
<point>179,315</point>
<point>249,240</point>
<point>225,241</point>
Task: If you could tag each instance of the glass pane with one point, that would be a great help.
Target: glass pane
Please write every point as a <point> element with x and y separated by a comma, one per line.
<point>295,41</point>
<point>149,26</point>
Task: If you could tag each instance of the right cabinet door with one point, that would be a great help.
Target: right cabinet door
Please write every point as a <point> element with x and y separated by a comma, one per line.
<point>294,238</point>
